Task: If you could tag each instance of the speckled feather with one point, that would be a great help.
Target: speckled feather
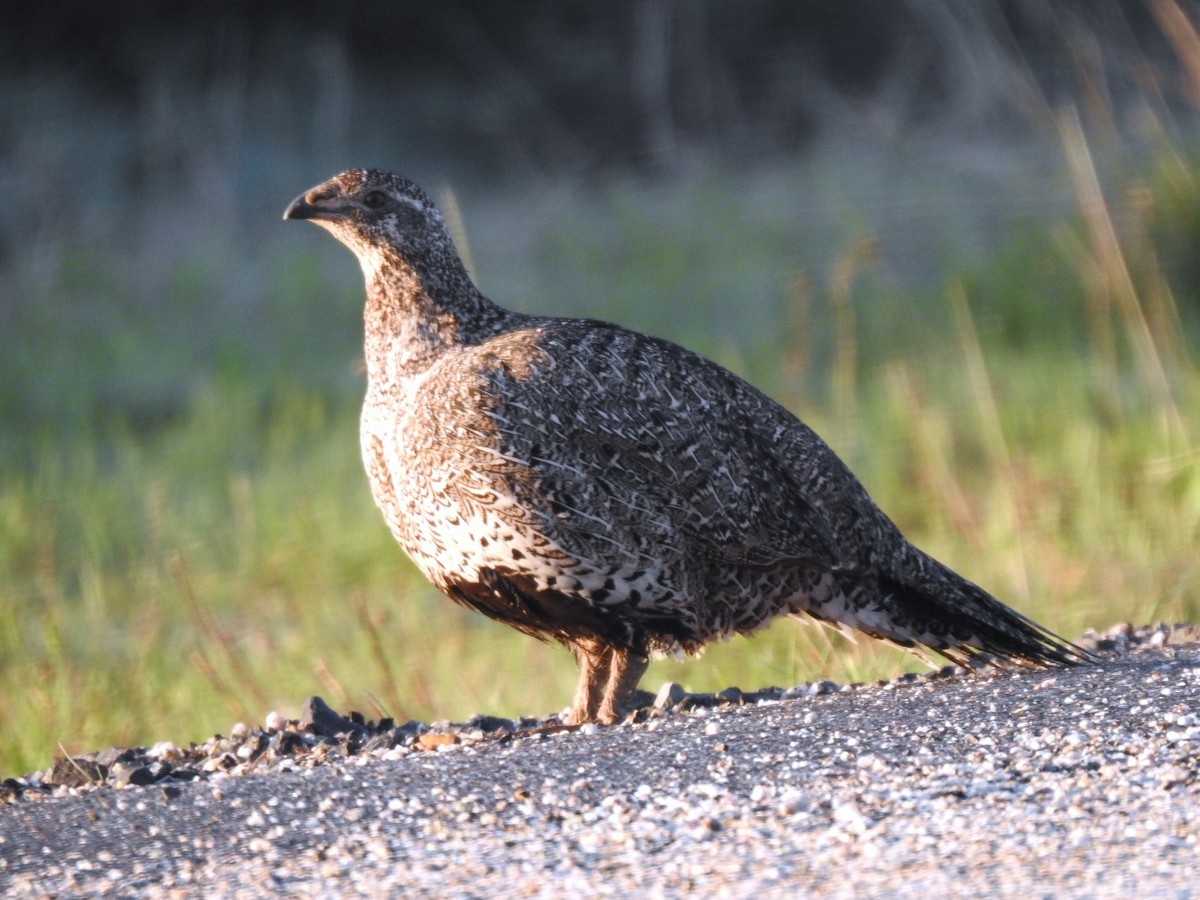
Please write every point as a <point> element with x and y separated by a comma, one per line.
<point>611,490</point>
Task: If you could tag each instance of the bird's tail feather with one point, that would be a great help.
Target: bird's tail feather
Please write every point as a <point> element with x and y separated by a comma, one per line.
<point>946,613</point>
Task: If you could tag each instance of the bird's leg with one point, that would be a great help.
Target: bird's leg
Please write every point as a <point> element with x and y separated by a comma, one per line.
<point>625,670</point>
<point>594,659</point>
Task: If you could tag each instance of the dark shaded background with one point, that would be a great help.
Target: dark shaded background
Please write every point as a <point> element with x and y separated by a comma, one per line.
<point>585,85</point>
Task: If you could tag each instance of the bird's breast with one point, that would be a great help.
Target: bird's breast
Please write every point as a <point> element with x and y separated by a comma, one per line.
<point>440,474</point>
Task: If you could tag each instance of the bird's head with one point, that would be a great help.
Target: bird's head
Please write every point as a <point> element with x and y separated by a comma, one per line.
<point>407,255</point>
<point>370,210</point>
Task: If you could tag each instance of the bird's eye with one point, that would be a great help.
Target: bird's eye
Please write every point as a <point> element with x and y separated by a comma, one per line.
<point>374,199</point>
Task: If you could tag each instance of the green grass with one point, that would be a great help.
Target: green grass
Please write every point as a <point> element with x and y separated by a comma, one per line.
<point>209,551</point>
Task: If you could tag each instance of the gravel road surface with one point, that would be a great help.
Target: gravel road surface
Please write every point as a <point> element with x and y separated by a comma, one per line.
<point>1082,781</point>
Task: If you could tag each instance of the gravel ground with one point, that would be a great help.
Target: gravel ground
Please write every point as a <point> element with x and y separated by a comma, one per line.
<point>1083,781</point>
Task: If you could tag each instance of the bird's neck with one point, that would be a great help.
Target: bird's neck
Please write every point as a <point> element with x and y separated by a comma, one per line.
<point>414,315</point>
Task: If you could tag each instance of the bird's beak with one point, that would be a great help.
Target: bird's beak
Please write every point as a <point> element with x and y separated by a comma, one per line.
<point>299,208</point>
<point>314,204</point>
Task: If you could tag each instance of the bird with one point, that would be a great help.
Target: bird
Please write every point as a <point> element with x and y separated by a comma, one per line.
<point>613,491</point>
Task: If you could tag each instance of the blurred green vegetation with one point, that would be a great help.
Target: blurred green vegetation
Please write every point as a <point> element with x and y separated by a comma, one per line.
<point>180,551</point>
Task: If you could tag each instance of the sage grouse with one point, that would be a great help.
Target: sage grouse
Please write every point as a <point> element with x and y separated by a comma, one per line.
<point>611,490</point>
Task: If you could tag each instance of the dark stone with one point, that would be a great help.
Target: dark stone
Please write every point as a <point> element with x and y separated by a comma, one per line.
<point>226,760</point>
<point>12,789</point>
<point>284,743</point>
<point>696,701</point>
<point>123,773</point>
<point>142,775</point>
<point>258,743</point>
<point>490,724</point>
<point>320,719</point>
<point>384,741</point>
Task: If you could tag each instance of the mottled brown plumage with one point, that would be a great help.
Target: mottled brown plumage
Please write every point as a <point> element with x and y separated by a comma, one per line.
<point>610,490</point>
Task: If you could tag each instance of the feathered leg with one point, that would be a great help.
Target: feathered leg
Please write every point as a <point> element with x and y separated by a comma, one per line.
<point>594,661</point>
<point>625,670</point>
<point>607,677</point>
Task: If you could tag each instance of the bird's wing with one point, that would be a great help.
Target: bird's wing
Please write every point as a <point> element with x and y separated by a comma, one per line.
<point>635,439</point>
